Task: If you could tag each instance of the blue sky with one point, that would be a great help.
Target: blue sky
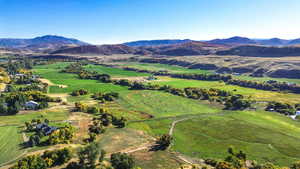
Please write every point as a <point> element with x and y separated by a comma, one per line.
<point>115,21</point>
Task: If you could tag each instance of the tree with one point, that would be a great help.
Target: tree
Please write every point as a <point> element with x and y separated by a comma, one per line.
<point>296,165</point>
<point>224,165</point>
<point>102,155</point>
<point>88,155</point>
<point>164,141</point>
<point>31,162</point>
<point>122,161</point>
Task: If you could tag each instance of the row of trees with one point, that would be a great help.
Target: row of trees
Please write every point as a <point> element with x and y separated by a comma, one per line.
<point>48,159</point>
<point>239,160</point>
<point>283,108</point>
<point>269,85</point>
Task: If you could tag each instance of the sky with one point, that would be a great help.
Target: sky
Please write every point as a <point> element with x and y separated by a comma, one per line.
<point>116,21</point>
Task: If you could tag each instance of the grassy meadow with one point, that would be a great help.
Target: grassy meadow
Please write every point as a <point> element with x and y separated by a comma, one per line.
<point>265,137</point>
<point>163,67</point>
<point>259,95</point>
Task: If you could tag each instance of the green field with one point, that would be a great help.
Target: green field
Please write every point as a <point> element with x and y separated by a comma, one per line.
<point>71,81</point>
<point>244,77</point>
<point>259,95</point>
<point>263,136</point>
<point>114,72</point>
<point>163,67</point>
<point>10,140</point>
<point>160,104</point>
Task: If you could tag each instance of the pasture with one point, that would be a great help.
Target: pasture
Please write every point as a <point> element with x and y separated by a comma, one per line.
<point>259,95</point>
<point>163,67</point>
<point>70,81</point>
<point>265,137</point>
<point>10,140</point>
<point>114,72</point>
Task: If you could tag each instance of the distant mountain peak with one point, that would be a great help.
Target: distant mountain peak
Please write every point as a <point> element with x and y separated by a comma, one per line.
<point>40,42</point>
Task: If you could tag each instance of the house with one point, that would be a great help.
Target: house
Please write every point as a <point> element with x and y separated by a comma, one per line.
<point>151,77</point>
<point>295,115</point>
<point>45,128</point>
<point>31,105</point>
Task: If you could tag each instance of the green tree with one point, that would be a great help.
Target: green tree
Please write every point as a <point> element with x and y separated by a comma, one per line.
<point>122,161</point>
<point>89,155</point>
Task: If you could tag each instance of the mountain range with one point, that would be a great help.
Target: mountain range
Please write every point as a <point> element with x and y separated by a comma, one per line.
<point>233,41</point>
<point>47,41</point>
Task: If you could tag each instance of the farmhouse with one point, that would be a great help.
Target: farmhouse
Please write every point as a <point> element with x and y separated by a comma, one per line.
<point>31,105</point>
<point>45,128</point>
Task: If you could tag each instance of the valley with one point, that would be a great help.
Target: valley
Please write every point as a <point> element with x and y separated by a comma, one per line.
<point>201,129</point>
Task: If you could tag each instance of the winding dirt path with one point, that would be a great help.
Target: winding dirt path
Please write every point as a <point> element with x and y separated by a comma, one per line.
<point>174,124</point>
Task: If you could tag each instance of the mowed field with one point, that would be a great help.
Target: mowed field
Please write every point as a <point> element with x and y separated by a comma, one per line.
<point>10,143</point>
<point>207,130</point>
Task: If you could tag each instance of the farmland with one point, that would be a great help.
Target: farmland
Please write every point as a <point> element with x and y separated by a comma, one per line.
<point>206,130</point>
<point>259,95</point>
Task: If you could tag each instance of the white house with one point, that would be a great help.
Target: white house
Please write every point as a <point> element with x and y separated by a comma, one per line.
<point>31,105</point>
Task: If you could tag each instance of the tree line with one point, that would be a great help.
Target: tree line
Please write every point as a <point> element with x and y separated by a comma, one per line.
<point>270,85</point>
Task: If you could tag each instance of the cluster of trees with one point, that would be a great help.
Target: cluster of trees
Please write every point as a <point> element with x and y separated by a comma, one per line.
<point>32,87</point>
<point>238,160</point>
<point>13,102</point>
<point>111,96</point>
<point>74,67</point>
<point>105,78</point>
<point>92,156</point>
<point>48,159</point>
<point>103,121</point>
<point>283,108</point>
<point>91,109</point>
<point>79,92</point>
<point>269,85</point>
<point>164,142</point>
<point>13,67</point>
<point>4,77</point>
<point>25,79</point>
<point>63,135</point>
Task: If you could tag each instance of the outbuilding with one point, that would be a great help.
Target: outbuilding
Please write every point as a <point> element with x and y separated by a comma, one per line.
<point>31,105</point>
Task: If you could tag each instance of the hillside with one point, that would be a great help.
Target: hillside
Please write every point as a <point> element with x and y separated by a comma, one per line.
<point>48,41</point>
<point>236,40</point>
<point>262,51</point>
<point>99,50</point>
<point>156,42</point>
